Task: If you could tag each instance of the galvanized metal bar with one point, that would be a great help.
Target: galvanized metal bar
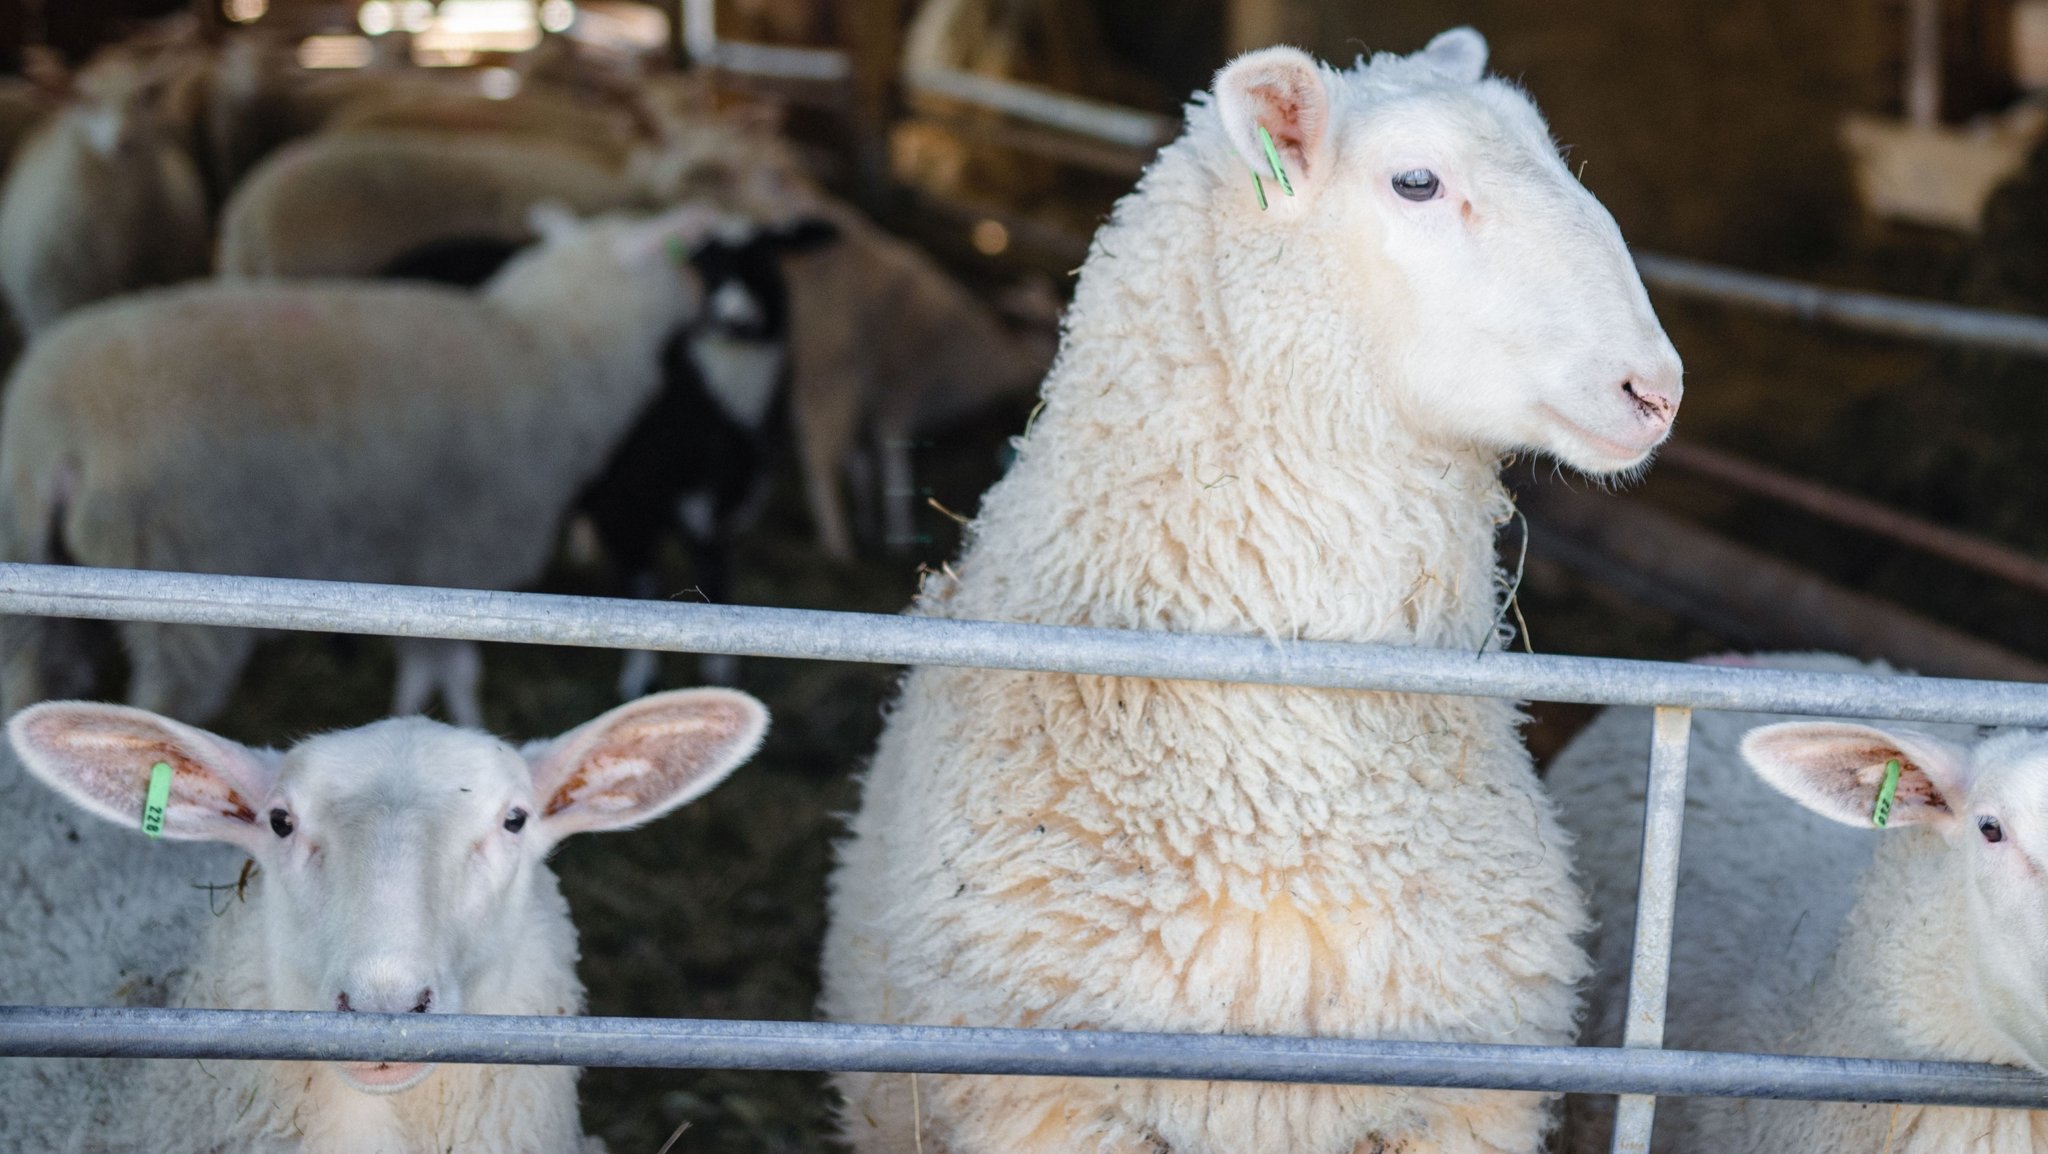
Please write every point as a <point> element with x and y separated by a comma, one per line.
<point>33,1031</point>
<point>1649,972</point>
<point>411,611</point>
<point>1870,312</point>
<point>1040,105</point>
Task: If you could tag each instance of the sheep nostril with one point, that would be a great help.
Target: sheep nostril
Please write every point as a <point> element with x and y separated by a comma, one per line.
<point>1653,405</point>
<point>426,999</point>
<point>341,1003</point>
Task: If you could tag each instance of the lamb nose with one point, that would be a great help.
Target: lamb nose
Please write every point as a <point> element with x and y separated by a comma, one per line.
<point>426,999</point>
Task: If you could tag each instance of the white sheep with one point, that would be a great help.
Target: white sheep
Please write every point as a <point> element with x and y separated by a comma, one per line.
<point>100,200</point>
<point>343,430</point>
<point>1800,928</point>
<point>347,204</point>
<point>1281,422</point>
<point>399,867</point>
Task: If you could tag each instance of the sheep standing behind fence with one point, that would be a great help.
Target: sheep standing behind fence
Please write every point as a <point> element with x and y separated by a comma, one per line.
<point>397,868</point>
<point>1280,419</point>
<point>375,432</point>
<point>1802,929</point>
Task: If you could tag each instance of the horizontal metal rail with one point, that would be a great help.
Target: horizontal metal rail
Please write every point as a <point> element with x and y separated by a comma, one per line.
<point>1870,312</point>
<point>414,611</point>
<point>682,1043</point>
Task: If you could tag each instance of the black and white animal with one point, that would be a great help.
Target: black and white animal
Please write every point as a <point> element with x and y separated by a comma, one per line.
<point>697,460</point>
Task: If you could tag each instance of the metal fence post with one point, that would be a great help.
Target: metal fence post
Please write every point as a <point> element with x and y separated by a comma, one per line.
<point>1656,895</point>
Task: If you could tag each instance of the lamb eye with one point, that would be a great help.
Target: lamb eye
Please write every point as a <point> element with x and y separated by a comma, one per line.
<point>280,823</point>
<point>1989,827</point>
<point>1417,184</point>
<point>515,821</point>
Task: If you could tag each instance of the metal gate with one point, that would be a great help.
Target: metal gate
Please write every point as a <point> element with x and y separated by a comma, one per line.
<point>1639,1070</point>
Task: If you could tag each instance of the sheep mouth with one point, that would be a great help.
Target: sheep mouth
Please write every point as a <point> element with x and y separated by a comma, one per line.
<point>384,1077</point>
<point>1630,452</point>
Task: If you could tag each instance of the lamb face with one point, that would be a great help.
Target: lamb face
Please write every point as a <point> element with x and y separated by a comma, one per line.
<point>398,861</point>
<point>1988,805</point>
<point>1454,231</point>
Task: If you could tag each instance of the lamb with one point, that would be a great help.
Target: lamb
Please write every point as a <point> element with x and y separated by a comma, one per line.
<point>353,431</point>
<point>100,200</point>
<point>886,345</point>
<point>697,460</point>
<point>1851,970</point>
<point>1283,422</point>
<point>397,868</point>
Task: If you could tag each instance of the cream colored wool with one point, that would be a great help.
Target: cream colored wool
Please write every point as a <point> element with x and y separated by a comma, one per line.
<point>1865,937</point>
<point>1249,430</point>
<point>349,431</point>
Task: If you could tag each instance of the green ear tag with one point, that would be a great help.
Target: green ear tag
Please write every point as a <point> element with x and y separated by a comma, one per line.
<point>1260,185</point>
<point>1273,160</point>
<point>1883,811</point>
<point>159,797</point>
<point>678,251</point>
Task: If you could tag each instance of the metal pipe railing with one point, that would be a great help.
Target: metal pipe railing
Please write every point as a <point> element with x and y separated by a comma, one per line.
<point>535,618</point>
<point>1894,316</point>
<point>681,1043</point>
<point>1649,972</point>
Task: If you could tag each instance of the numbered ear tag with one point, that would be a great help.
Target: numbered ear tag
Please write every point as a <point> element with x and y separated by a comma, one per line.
<point>159,798</point>
<point>1882,812</point>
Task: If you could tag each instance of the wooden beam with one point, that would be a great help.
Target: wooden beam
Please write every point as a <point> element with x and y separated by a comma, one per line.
<point>874,38</point>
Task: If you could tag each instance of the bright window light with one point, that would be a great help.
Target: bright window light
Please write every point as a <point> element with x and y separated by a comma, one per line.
<point>376,17</point>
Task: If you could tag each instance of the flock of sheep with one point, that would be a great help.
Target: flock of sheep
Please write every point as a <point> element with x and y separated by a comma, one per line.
<point>1295,357</point>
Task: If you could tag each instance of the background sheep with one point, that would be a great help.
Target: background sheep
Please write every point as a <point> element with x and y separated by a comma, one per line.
<point>101,200</point>
<point>179,430</point>
<point>1790,938</point>
<point>386,919</point>
<point>1283,421</point>
<point>886,345</point>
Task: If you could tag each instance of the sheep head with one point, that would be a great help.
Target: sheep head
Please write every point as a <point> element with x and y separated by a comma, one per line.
<point>1428,207</point>
<point>399,861</point>
<point>1989,806</point>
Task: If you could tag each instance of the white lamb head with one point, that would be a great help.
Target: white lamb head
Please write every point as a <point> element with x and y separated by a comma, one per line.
<point>1503,305</point>
<point>399,861</point>
<point>1988,804</point>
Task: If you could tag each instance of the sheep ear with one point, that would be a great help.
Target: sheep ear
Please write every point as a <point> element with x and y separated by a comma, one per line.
<point>1282,91</point>
<point>643,759</point>
<point>1459,54</point>
<point>551,220</point>
<point>1836,769</point>
<point>101,757</point>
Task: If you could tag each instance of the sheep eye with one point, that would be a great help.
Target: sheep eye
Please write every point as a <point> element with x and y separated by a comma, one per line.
<point>280,823</point>
<point>1417,184</point>
<point>1989,827</point>
<point>515,821</point>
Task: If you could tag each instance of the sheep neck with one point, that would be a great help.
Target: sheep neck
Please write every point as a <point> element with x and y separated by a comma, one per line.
<point>602,326</point>
<point>1219,451</point>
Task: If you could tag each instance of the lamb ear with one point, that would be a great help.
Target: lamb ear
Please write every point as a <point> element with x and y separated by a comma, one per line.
<point>101,758</point>
<point>1836,769</point>
<point>1281,90</point>
<point>643,759</point>
<point>1459,54</point>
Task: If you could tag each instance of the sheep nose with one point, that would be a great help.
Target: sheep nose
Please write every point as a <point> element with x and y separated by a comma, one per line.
<point>380,1003</point>
<point>1656,397</point>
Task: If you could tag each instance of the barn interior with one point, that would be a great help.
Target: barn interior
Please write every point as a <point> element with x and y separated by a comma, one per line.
<point>1833,484</point>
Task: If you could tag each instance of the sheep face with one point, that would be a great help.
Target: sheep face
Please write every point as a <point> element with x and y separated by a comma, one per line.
<point>398,862</point>
<point>1989,807</point>
<point>1446,226</point>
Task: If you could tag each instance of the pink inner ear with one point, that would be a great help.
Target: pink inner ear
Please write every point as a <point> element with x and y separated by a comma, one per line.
<point>107,762</point>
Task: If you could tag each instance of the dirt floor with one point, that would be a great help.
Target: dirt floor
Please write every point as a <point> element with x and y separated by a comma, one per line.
<point>1708,127</point>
